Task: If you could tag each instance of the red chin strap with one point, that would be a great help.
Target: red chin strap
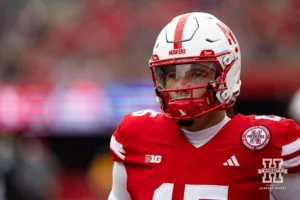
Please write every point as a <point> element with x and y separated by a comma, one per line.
<point>186,108</point>
<point>189,108</point>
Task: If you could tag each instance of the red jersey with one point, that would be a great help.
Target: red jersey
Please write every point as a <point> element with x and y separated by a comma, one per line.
<point>239,162</point>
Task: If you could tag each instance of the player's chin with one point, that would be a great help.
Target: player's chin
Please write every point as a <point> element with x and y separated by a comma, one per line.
<point>185,122</point>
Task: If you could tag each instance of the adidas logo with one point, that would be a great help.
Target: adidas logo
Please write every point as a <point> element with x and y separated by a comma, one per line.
<point>231,162</point>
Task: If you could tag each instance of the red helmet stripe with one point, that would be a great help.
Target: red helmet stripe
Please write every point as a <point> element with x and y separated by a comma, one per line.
<point>179,31</point>
<point>231,35</point>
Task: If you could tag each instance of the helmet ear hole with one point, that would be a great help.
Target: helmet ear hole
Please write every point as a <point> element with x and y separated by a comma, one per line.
<point>224,95</point>
<point>220,95</point>
<point>227,60</point>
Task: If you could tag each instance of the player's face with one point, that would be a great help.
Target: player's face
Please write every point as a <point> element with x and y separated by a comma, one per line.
<point>188,76</point>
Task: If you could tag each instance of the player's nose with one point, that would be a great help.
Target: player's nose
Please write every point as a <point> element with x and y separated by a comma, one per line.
<point>183,82</point>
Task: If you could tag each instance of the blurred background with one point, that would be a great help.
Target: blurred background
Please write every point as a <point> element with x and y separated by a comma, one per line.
<point>71,69</point>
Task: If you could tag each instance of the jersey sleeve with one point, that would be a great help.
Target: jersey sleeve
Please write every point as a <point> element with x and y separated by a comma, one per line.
<point>291,148</point>
<point>117,142</point>
<point>119,187</point>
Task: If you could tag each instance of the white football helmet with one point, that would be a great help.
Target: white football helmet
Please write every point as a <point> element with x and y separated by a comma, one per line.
<point>191,47</point>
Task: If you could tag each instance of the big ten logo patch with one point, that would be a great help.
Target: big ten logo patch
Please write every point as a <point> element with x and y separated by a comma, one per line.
<point>153,159</point>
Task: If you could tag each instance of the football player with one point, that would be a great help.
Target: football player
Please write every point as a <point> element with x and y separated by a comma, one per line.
<point>193,150</point>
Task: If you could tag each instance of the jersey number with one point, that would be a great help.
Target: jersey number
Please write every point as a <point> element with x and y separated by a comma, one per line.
<point>269,117</point>
<point>192,192</point>
<point>144,112</point>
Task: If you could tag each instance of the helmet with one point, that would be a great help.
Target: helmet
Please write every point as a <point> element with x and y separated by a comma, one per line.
<point>202,51</point>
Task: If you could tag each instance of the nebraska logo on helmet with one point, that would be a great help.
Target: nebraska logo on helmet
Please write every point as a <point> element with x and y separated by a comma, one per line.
<point>177,51</point>
<point>256,138</point>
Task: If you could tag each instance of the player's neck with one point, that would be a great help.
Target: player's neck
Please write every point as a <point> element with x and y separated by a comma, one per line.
<point>206,121</point>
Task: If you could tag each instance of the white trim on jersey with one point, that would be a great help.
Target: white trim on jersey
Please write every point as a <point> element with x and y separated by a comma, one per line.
<point>119,187</point>
<point>117,147</point>
<point>291,147</point>
<point>291,163</point>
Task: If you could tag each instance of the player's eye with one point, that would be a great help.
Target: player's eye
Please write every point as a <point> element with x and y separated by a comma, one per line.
<point>171,75</point>
<point>199,73</point>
